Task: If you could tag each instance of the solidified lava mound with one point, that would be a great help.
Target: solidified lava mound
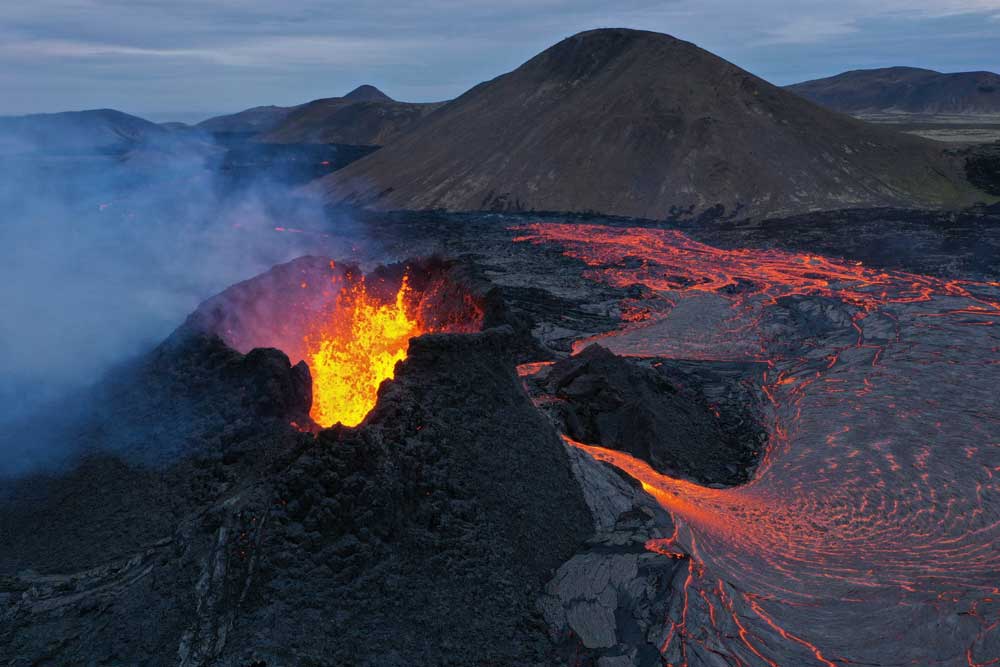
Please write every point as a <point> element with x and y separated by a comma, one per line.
<point>427,534</point>
<point>154,440</point>
<point>656,414</point>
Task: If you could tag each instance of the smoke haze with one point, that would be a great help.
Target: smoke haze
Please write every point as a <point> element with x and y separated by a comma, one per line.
<point>104,252</point>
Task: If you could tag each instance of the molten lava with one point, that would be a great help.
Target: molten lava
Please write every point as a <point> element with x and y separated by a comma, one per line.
<point>355,349</point>
<point>349,328</point>
<point>870,533</point>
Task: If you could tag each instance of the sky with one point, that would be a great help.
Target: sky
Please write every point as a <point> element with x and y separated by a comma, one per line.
<point>190,59</point>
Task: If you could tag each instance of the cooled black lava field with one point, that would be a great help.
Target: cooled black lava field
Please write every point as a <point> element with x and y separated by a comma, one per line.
<point>615,443</point>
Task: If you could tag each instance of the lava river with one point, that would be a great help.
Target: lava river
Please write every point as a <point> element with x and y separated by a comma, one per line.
<point>870,532</point>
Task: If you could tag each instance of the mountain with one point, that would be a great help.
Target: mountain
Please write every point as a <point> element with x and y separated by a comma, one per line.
<point>637,123</point>
<point>256,119</point>
<point>905,89</point>
<point>76,131</point>
<point>363,117</point>
<point>366,93</point>
<point>349,120</point>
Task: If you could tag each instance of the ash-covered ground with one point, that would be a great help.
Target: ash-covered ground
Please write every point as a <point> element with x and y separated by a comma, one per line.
<point>773,456</point>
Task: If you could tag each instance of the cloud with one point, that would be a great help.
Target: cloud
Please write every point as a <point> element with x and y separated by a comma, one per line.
<point>313,50</point>
<point>809,30</point>
<point>232,54</point>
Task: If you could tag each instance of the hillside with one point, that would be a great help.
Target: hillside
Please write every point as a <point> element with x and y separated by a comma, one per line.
<point>905,89</point>
<point>364,117</point>
<point>256,119</point>
<point>76,131</point>
<point>642,124</point>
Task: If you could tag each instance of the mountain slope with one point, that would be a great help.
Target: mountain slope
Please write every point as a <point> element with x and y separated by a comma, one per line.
<point>905,89</point>
<point>256,119</point>
<point>362,120</point>
<point>641,124</point>
<point>363,117</point>
<point>76,131</point>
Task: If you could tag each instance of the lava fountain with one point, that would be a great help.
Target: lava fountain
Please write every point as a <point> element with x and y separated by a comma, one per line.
<point>349,328</point>
<point>354,350</point>
<point>870,533</point>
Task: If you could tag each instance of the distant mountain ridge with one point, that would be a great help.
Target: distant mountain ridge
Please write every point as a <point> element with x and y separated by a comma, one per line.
<point>255,119</point>
<point>905,89</point>
<point>641,124</point>
<point>75,131</point>
<point>363,117</point>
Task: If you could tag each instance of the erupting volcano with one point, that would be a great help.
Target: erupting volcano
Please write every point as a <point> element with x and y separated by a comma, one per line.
<point>349,328</point>
<point>626,357</point>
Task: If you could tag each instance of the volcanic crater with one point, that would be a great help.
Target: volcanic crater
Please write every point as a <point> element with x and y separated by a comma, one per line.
<point>348,327</point>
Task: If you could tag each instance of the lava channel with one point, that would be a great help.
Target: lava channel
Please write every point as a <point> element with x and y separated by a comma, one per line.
<point>870,533</point>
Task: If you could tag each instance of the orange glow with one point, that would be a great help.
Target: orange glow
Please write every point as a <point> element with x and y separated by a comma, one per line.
<point>873,513</point>
<point>357,348</point>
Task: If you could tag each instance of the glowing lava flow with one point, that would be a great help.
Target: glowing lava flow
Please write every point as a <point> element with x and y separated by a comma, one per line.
<point>870,534</point>
<point>355,349</point>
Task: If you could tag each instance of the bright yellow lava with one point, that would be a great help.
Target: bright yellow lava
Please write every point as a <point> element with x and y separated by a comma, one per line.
<point>355,350</point>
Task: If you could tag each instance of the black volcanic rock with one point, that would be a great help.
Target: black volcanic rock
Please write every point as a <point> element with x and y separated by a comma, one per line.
<point>905,89</point>
<point>199,527</point>
<point>641,124</point>
<point>454,500</point>
<point>142,447</point>
<point>611,401</point>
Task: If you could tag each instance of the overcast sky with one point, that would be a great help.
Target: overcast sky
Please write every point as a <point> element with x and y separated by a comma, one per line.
<point>185,58</point>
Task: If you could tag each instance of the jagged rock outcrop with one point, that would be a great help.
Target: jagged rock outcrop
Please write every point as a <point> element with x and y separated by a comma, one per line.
<point>609,604</point>
<point>656,413</point>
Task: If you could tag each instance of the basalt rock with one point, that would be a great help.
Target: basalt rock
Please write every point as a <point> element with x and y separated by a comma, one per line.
<point>660,415</point>
<point>423,536</point>
<point>427,533</point>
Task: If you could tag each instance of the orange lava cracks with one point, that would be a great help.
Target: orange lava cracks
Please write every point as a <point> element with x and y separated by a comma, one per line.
<point>354,350</point>
<point>869,534</point>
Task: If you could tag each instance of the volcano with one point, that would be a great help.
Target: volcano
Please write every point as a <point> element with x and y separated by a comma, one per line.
<point>642,124</point>
<point>508,436</point>
<point>726,483</point>
<point>350,329</point>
